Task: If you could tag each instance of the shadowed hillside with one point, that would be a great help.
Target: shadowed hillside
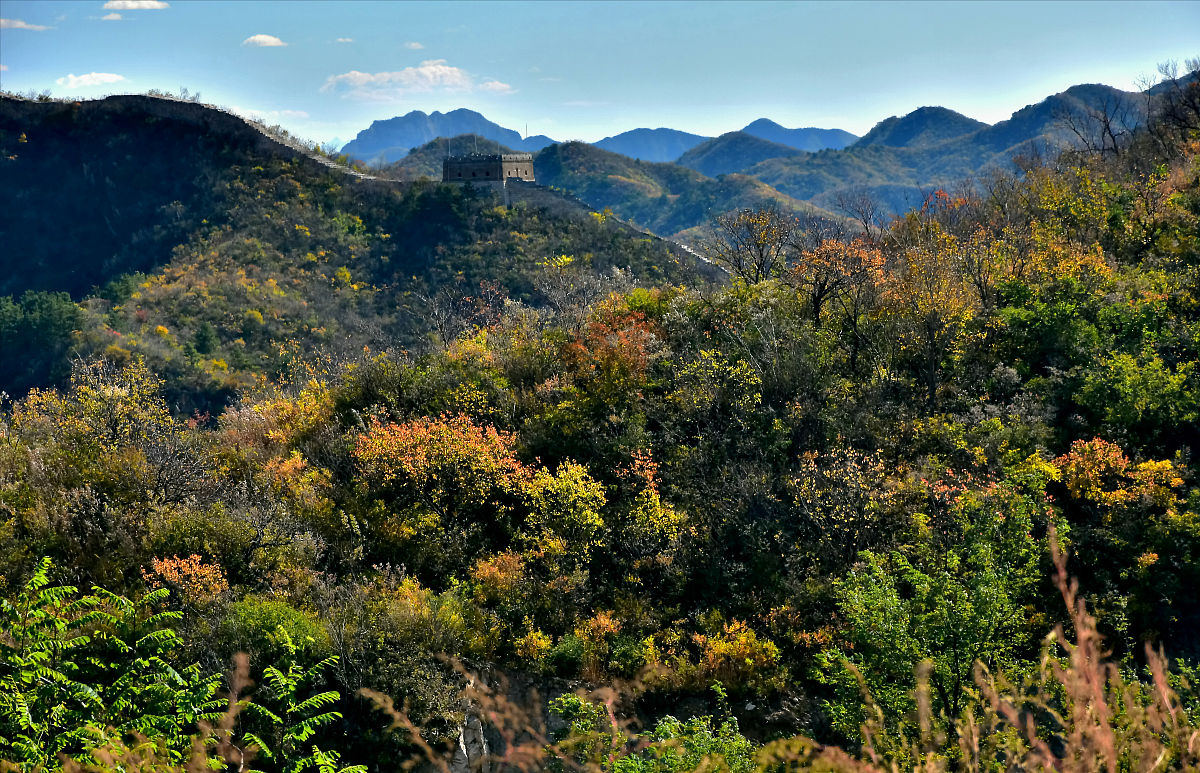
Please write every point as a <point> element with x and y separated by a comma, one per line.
<point>651,144</point>
<point>733,152</point>
<point>100,188</point>
<point>810,138</point>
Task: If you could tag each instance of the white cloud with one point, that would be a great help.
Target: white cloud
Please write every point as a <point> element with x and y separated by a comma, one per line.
<point>135,5</point>
<point>111,17</point>
<point>17,24</point>
<point>385,86</point>
<point>344,40</point>
<point>74,81</point>
<point>413,45</point>
<point>263,41</point>
<point>496,86</point>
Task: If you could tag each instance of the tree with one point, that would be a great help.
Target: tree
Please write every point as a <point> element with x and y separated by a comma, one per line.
<point>956,598</point>
<point>929,296</point>
<point>834,267</point>
<point>1175,105</point>
<point>37,335</point>
<point>1105,126</point>
<point>750,244</point>
<point>448,487</point>
<point>859,204</point>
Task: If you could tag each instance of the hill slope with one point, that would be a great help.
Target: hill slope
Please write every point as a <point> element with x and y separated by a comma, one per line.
<point>903,159</point>
<point>651,144</point>
<point>733,152</point>
<point>923,126</point>
<point>99,188</point>
<point>232,258</point>
<point>665,198</point>
<point>810,139</point>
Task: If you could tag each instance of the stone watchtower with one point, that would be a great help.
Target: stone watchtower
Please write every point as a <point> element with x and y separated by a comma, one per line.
<point>488,168</point>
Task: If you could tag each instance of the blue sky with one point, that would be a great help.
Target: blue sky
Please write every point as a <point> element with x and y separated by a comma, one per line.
<point>586,70</point>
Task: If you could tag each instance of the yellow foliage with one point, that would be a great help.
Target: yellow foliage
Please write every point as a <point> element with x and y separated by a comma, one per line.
<point>599,627</point>
<point>595,633</point>
<point>499,577</point>
<point>566,505</point>
<point>533,646</point>
<point>193,579</point>
<point>1098,471</point>
<point>736,655</point>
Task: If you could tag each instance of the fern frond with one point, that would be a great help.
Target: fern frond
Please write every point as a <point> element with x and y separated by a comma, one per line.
<point>318,701</point>
<point>262,711</point>
<point>304,729</point>
<point>253,740</point>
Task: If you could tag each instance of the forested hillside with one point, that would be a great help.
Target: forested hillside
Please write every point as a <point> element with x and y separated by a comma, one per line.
<point>659,145</point>
<point>916,495</point>
<point>733,152</point>
<point>425,162</point>
<point>664,198</point>
<point>223,262</point>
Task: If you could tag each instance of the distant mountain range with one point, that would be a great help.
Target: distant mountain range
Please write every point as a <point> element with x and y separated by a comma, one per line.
<point>673,145</point>
<point>651,144</point>
<point>386,141</point>
<point>390,140</point>
<point>673,181</point>
<point>809,139</point>
<point>904,158</point>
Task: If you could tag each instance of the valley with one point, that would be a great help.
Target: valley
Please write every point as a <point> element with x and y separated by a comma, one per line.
<point>673,183</point>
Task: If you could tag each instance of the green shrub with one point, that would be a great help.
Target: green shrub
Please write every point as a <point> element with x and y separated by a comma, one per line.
<point>566,657</point>
<point>251,624</point>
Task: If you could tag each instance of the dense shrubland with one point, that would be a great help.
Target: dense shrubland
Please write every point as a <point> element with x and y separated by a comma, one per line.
<point>845,472</point>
